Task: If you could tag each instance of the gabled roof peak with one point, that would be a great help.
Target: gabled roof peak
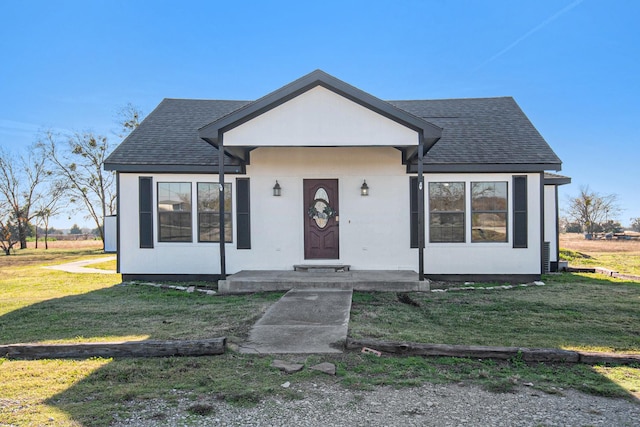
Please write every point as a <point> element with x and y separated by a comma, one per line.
<point>211,132</point>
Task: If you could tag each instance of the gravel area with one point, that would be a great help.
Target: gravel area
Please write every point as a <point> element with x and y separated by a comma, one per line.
<point>329,404</point>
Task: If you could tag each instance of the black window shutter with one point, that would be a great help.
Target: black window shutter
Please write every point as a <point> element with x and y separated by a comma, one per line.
<point>413,209</point>
<point>145,193</point>
<point>520,212</point>
<point>243,213</point>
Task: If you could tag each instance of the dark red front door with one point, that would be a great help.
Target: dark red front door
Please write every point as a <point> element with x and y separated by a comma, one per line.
<point>321,236</point>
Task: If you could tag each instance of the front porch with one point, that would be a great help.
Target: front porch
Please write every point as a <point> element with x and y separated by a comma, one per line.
<point>247,281</point>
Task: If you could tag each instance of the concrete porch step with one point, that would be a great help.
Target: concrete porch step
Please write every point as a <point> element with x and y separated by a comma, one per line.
<point>361,280</point>
<point>326,268</point>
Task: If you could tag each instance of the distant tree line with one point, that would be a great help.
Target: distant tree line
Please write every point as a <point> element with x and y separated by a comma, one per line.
<point>591,212</point>
<point>58,173</point>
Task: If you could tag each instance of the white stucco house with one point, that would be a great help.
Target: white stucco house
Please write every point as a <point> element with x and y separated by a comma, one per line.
<point>319,172</point>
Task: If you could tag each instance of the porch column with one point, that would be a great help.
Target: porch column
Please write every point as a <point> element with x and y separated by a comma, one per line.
<point>223,263</point>
<point>420,207</point>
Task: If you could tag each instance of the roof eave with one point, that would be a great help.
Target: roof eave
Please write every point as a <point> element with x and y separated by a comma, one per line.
<point>484,167</point>
<point>172,168</point>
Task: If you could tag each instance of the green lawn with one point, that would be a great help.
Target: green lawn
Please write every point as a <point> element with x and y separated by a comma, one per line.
<point>40,305</point>
<point>622,262</point>
<point>571,312</point>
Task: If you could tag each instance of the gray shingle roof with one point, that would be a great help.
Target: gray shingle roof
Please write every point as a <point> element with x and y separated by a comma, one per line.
<point>556,179</point>
<point>478,134</point>
<point>168,138</point>
<point>490,131</point>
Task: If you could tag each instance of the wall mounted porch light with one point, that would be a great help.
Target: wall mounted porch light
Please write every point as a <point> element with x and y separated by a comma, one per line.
<point>277,190</point>
<point>364,189</point>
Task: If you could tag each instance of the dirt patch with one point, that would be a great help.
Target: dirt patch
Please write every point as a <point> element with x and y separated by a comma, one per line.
<point>577,242</point>
<point>68,244</point>
<point>58,252</point>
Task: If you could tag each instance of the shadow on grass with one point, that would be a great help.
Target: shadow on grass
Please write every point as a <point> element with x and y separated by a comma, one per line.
<point>122,386</point>
<point>130,310</point>
<point>99,387</point>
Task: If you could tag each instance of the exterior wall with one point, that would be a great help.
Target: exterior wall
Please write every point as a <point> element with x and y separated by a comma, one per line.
<point>320,117</point>
<point>164,257</point>
<point>374,230</point>
<point>550,221</point>
<point>487,258</point>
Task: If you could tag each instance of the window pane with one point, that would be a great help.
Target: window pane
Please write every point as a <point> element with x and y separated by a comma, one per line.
<point>446,212</point>
<point>446,196</point>
<point>446,227</point>
<point>209,212</point>
<point>489,227</point>
<point>174,211</point>
<point>175,226</point>
<point>489,211</point>
<point>489,196</point>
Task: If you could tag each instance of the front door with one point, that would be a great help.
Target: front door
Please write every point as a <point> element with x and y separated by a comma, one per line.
<point>321,237</point>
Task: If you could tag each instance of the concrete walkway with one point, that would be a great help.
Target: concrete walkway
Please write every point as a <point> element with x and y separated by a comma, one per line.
<point>80,266</point>
<point>303,321</point>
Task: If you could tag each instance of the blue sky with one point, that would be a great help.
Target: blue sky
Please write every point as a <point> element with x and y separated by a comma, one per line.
<point>572,65</point>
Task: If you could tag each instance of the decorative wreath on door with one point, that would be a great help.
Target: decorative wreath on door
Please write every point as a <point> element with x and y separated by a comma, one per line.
<point>326,213</point>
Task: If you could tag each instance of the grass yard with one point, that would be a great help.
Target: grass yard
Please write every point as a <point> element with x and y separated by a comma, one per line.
<point>571,312</point>
<point>41,305</point>
<point>568,313</point>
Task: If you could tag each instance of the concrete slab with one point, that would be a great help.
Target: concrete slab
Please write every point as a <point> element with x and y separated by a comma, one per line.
<point>303,321</point>
<point>359,280</point>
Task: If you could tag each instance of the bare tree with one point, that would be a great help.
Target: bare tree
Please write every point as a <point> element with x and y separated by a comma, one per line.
<point>77,161</point>
<point>635,224</point>
<point>8,230</point>
<point>591,210</point>
<point>50,206</point>
<point>128,117</point>
<point>8,235</point>
<point>20,178</point>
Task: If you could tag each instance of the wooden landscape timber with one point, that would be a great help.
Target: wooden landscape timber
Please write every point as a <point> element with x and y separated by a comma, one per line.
<point>151,348</point>
<point>550,355</point>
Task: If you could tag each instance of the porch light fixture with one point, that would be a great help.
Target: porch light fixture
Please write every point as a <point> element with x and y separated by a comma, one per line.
<point>364,189</point>
<point>277,190</point>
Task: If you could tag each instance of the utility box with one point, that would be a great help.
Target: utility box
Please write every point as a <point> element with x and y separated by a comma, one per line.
<point>111,234</point>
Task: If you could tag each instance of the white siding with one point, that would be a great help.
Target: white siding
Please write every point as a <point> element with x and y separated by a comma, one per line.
<point>320,117</point>
<point>487,258</point>
<point>374,230</point>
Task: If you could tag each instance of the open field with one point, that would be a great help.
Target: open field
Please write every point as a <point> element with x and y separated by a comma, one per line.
<point>67,244</point>
<point>619,255</point>
<point>577,242</point>
<point>40,305</point>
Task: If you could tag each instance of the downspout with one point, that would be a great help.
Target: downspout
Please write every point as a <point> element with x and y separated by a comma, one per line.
<point>420,207</point>
<point>118,194</point>
<point>223,263</point>
<point>542,225</point>
<point>557,211</point>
